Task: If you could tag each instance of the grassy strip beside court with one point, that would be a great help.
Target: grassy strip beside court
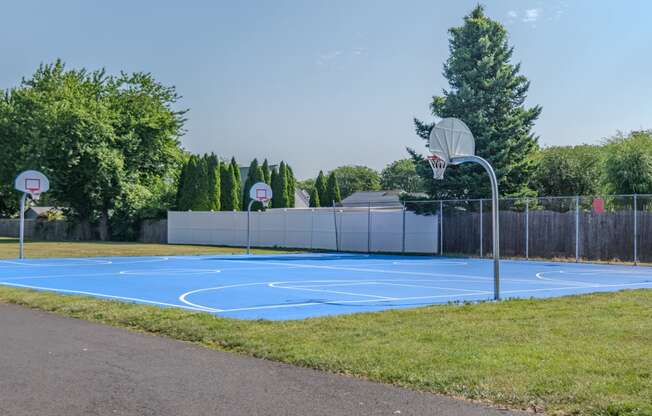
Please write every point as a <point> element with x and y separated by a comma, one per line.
<point>585,355</point>
<point>43,249</point>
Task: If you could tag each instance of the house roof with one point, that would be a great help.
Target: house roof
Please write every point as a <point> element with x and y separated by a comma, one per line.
<point>44,210</point>
<point>302,199</point>
<point>374,197</point>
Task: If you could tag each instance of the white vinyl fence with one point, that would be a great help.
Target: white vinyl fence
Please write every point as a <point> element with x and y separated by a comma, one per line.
<point>381,230</point>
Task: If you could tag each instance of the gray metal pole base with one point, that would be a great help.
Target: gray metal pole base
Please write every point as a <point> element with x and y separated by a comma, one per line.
<point>494,214</point>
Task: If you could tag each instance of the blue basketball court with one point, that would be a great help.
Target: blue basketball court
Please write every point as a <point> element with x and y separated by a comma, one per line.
<point>308,285</point>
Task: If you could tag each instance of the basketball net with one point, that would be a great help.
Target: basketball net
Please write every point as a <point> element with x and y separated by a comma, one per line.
<point>438,166</point>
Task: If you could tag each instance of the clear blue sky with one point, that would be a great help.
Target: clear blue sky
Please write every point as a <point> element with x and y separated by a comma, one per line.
<point>326,83</point>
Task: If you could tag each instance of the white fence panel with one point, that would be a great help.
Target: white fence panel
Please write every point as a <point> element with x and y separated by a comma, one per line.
<point>421,233</point>
<point>386,230</point>
<point>298,228</point>
<point>268,228</point>
<point>323,230</point>
<point>360,229</point>
<point>352,230</point>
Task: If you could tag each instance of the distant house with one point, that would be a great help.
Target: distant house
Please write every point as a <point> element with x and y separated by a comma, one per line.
<point>362,198</point>
<point>33,213</point>
<point>301,198</point>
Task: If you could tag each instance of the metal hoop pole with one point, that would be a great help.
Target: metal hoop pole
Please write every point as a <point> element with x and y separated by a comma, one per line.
<point>527,229</point>
<point>577,229</point>
<point>635,232</point>
<point>441,228</point>
<point>481,227</point>
<point>337,240</point>
<point>403,230</point>
<point>369,227</point>
<point>21,251</point>
<point>249,226</point>
<point>494,214</point>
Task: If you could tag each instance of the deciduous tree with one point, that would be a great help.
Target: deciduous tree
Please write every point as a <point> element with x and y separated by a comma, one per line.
<point>356,178</point>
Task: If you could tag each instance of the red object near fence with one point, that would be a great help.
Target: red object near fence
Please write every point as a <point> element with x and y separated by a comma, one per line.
<point>598,205</point>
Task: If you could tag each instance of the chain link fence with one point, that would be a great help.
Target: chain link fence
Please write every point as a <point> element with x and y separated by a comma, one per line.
<point>614,227</point>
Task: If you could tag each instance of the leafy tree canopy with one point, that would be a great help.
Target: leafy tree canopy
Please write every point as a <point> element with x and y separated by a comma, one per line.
<point>402,174</point>
<point>109,144</point>
<point>628,163</point>
<point>356,178</point>
<point>569,170</point>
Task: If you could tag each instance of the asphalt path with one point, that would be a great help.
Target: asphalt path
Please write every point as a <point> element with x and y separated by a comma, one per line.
<point>52,365</point>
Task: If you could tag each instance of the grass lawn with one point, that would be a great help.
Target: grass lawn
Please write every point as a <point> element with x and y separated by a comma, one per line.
<point>41,249</point>
<point>584,355</point>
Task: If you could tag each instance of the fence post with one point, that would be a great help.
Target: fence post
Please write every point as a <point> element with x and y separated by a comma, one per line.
<point>403,236</point>
<point>312,227</point>
<point>481,227</point>
<point>527,229</point>
<point>337,240</point>
<point>635,232</point>
<point>441,227</point>
<point>285,226</point>
<point>577,228</point>
<point>369,227</point>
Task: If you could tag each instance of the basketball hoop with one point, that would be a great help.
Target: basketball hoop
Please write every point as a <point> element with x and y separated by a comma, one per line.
<point>32,183</point>
<point>451,142</point>
<point>438,166</point>
<point>262,193</point>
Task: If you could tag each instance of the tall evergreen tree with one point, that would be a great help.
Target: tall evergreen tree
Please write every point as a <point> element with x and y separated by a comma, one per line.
<point>226,193</point>
<point>183,203</point>
<point>200,197</point>
<point>314,198</point>
<point>267,174</point>
<point>488,94</point>
<point>280,187</point>
<point>214,182</point>
<point>237,184</point>
<point>332,190</point>
<point>254,175</point>
<point>189,189</point>
<point>292,186</point>
<point>320,187</point>
<point>275,186</point>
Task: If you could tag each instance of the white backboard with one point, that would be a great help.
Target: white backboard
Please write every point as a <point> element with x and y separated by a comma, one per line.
<point>260,192</point>
<point>451,138</point>
<point>32,182</point>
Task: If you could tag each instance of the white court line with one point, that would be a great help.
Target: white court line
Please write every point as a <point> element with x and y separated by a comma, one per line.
<point>162,272</point>
<point>357,269</point>
<point>32,264</point>
<point>183,297</point>
<point>597,272</point>
<point>541,276</point>
<point>49,276</point>
<point>102,295</point>
<point>432,262</point>
<point>365,270</point>
<point>381,282</point>
<point>378,281</point>
<point>338,302</point>
<point>330,291</point>
<point>597,286</point>
<point>426,287</point>
<point>99,262</point>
